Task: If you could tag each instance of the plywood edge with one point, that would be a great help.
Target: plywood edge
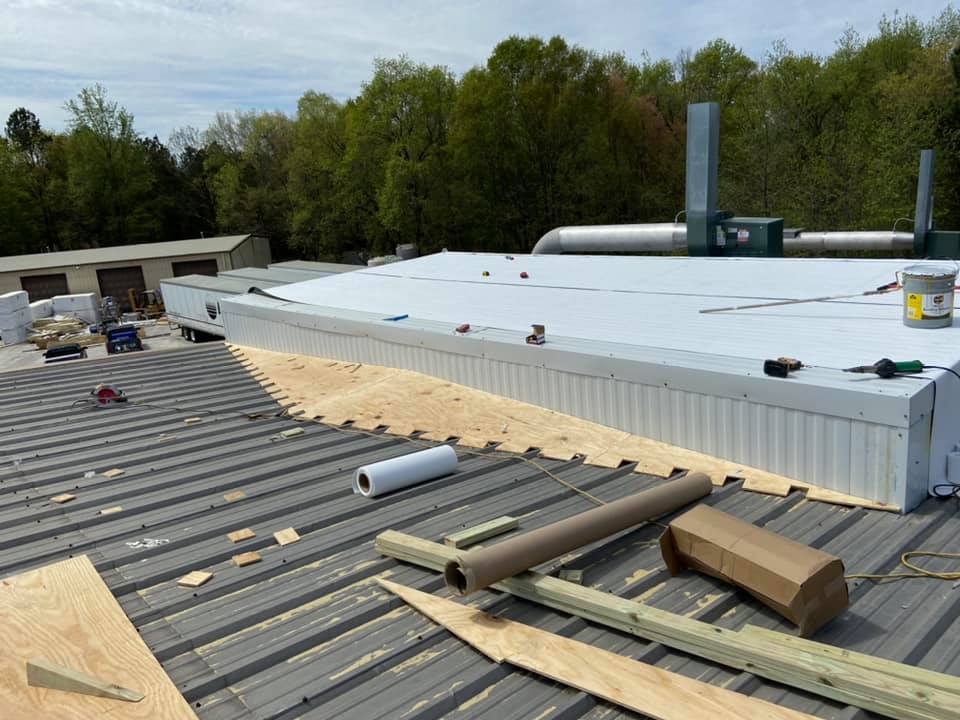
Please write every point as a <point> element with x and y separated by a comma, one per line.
<point>405,402</point>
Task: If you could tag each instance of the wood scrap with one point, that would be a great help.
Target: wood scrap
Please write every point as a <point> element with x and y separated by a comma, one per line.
<point>195,578</point>
<point>477,533</point>
<point>66,614</point>
<point>63,498</point>
<point>286,536</point>
<point>402,401</point>
<point>192,420</point>
<point>112,510</point>
<point>240,535</point>
<point>45,674</point>
<point>890,689</point>
<point>247,558</point>
<point>112,473</point>
<point>234,496</point>
<point>629,683</point>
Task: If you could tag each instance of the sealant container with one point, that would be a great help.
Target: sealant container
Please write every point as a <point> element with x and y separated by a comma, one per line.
<point>928,296</point>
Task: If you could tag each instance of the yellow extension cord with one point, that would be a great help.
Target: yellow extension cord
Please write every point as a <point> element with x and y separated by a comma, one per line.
<point>917,571</point>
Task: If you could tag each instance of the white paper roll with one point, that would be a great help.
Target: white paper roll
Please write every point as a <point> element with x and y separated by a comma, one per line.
<point>404,471</point>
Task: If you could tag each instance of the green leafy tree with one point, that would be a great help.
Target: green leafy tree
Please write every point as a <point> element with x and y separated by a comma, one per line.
<point>109,180</point>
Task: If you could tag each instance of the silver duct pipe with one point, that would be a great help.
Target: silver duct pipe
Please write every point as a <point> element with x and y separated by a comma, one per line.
<point>648,237</point>
<point>667,237</point>
<point>853,240</point>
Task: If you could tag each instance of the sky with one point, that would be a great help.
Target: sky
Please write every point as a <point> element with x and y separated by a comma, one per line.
<point>178,62</point>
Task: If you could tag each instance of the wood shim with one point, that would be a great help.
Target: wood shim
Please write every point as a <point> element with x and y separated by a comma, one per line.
<point>286,536</point>
<point>239,535</point>
<point>404,401</point>
<point>64,498</point>
<point>112,510</point>
<point>194,579</point>
<point>247,558</point>
<point>234,496</point>
<point>115,472</point>
<point>629,683</point>
<point>66,614</point>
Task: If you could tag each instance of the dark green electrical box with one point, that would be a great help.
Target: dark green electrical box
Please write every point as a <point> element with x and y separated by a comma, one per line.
<point>751,237</point>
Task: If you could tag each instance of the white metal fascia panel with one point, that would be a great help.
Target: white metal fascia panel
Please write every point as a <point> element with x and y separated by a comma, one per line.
<point>850,456</point>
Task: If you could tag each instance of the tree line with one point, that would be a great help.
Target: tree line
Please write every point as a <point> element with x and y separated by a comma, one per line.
<point>543,134</point>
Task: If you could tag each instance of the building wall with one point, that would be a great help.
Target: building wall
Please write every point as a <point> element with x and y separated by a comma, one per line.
<point>252,252</point>
<point>83,278</point>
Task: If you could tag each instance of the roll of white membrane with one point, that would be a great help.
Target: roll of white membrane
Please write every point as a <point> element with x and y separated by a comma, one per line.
<point>404,471</point>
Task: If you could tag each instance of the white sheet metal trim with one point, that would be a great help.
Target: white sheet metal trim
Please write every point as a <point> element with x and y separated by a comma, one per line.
<point>856,457</point>
<point>899,402</point>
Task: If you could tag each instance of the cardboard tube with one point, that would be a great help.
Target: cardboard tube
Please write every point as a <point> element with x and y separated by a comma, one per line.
<point>476,569</point>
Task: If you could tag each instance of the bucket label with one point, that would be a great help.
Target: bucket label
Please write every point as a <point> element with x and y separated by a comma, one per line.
<point>924,306</point>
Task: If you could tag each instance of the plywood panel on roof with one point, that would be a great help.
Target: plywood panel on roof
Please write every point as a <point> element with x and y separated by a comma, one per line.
<point>65,614</point>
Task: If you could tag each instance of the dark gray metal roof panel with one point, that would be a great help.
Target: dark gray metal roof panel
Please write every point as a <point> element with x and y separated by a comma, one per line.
<point>306,632</point>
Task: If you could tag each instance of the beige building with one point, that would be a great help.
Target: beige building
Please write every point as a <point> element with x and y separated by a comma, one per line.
<point>114,270</point>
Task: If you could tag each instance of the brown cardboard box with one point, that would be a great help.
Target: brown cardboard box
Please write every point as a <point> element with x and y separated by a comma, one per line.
<point>804,585</point>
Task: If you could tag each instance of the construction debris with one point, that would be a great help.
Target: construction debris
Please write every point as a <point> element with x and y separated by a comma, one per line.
<point>240,535</point>
<point>286,536</point>
<point>632,684</point>
<point>45,674</point>
<point>478,533</point>
<point>247,558</point>
<point>64,498</point>
<point>195,579</point>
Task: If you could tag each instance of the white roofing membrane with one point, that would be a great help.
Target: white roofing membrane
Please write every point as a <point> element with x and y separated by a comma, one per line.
<point>654,302</point>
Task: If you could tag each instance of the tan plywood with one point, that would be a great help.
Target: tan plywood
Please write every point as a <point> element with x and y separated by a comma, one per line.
<point>65,615</point>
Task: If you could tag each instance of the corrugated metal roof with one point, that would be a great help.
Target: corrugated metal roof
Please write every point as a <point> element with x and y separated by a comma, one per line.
<point>121,253</point>
<point>274,274</point>
<point>221,283</point>
<point>313,266</point>
<point>306,632</point>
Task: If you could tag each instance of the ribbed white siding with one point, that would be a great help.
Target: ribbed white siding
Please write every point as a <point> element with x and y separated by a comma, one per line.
<point>859,457</point>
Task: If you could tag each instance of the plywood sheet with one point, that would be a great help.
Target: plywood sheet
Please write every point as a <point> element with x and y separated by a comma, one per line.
<point>404,401</point>
<point>65,614</point>
<point>629,683</point>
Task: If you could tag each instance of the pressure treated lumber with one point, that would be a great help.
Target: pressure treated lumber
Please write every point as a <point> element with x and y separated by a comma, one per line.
<point>404,401</point>
<point>65,614</point>
<point>45,674</point>
<point>899,694</point>
<point>656,693</point>
<point>476,569</point>
<point>478,533</point>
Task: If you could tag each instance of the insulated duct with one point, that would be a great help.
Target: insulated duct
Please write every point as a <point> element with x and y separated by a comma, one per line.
<point>668,237</point>
<point>476,569</point>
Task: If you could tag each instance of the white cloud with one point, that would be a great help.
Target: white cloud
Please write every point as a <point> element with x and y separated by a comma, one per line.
<point>176,62</point>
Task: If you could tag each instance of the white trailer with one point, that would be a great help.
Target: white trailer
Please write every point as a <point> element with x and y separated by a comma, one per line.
<point>193,301</point>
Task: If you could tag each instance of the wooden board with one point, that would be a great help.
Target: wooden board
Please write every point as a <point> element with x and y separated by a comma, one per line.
<point>65,614</point>
<point>286,536</point>
<point>194,579</point>
<point>64,498</point>
<point>403,401</point>
<point>234,496</point>
<point>477,533</point>
<point>115,472</point>
<point>247,558</point>
<point>239,535</point>
<point>628,683</point>
<point>886,688</point>
<point>112,510</point>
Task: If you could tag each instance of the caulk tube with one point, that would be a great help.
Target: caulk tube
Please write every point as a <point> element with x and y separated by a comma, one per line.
<point>400,472</point>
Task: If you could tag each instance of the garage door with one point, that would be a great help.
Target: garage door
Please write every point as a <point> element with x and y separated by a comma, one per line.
<point>117,281</point>
<point>41,287</point>
<point>195,267</point>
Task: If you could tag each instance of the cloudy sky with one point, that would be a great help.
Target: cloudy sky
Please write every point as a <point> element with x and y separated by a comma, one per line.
<point>177,62</point>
